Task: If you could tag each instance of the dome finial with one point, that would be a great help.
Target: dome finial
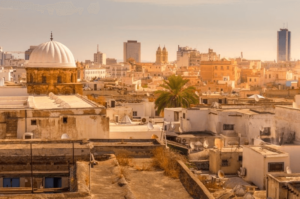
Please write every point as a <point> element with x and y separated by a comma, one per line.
<point>51,38</point>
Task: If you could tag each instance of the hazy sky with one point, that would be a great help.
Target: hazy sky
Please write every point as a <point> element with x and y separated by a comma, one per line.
<point>227,26</point>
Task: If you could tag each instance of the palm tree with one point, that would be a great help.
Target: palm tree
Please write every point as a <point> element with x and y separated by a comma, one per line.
<point>176,94</point>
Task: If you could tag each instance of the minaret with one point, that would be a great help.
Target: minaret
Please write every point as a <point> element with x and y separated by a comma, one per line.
<point>164,55</point>
<point>158,56</point>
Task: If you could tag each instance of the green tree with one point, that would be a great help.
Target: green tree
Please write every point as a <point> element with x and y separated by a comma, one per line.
<point>176,94</point>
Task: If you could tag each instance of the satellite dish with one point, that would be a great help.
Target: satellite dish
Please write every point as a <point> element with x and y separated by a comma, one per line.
<point>196,92</point>
<point>256,98</point>
<point>64,136</point>
<point>150,126</point>
<point>288,170</point>
<point>205,144</point>
<point>221,174</point>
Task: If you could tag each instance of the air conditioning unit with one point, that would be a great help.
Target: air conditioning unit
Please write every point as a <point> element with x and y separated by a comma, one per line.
<point>27,136</point>
<point>145,119</point>
<point>116,118</point>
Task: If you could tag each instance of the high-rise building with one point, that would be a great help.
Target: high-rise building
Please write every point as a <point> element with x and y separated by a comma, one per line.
<point>132,50</point>
<point>29,51</point>
<point>99,57</point>
<point>283,45</point>
<point>161,56</point>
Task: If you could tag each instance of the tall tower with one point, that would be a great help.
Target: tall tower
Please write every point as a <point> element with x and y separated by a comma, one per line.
<point>164,55</point>
<point>132,50</point>
<point>158,56</point>
<point>283,45</point>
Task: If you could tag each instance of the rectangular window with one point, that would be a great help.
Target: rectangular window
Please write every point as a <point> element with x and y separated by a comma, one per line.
<point>176,116</point>
<point>134,113</point>
<point>33,122</point>
<point>266,131</point>
<point>228,126</point>
<point>275,166</point>
<point>204,101</point>
<point>183,115</point>
<point>240,158</point>
<point>65,120</point>
<point>227,67</point>
<point>216,67</point>
<point>44,79</point>
<point>225,163</point>
<point>11,182</point>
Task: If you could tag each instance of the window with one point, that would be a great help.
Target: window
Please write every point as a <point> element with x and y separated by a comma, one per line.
<point>204,101</point>
<point>221,67</point>
<point>59,79</point>
<point>225,163</point>
<point>228,126</point>
<point>44,79</point>
<point>183,115</point>
<point>216,67</point>
<point>65,120</point>
<point>240,158</point>
<point>31,78</point>
<point>11,182</point>
<point>53,183</point>
<point>220,101</point>
<point>250,80</point>
<point>269,76</point>
<point>176,116</point>
<point>134,113</point>
<point>266,131</point>
<point>275,166</point>
<point>227,67</point>
<point>33,122</point>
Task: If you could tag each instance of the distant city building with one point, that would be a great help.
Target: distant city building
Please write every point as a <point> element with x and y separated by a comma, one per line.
<point>94,73</point>
<point>283,45</point>
<point>187,56</point>
<point>29,51</point>
<point>118,70</point>
<point>110,61</point>
<point>161,56</point>
<point>99,57</point>
<point>132,49</point>
<point>1,56</point>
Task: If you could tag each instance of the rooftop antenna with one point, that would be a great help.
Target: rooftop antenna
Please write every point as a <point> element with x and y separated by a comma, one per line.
<point>97,47</point>
<point>51,38</point>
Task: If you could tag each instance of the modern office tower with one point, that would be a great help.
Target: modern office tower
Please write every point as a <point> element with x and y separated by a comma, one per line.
<point>283,45</point>
<point>132,49</point>
<point>99,57</point>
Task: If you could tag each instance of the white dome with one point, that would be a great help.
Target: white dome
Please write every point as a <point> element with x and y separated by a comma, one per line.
<point>51,54</point>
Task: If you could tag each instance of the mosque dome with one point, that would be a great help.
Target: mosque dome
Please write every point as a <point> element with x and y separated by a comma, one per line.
<point>51,54</point>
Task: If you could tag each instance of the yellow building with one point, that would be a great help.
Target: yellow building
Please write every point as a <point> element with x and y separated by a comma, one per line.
<point>213,71</point>
<point>161,56</point>
<point>52,68</point>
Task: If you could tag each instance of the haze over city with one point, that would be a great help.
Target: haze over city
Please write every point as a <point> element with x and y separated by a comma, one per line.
<point>227,26</point>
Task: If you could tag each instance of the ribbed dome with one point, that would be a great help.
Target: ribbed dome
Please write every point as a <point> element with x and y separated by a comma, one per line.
<point>51,54</point>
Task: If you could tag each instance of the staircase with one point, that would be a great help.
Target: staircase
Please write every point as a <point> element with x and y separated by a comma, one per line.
<point>11,128</point>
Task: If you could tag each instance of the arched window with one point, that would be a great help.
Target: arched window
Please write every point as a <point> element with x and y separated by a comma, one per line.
<point>250,80</point>
<point>59,79</point>
<point>44,79</point>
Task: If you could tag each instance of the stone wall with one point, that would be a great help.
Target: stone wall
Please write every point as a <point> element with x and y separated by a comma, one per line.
<point>192,184</point>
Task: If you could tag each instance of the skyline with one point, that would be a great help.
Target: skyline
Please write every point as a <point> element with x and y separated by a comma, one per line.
<point>233,26</point>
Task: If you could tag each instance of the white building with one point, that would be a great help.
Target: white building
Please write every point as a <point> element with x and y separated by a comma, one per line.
<point>259,161</point>
<point>100,58</point>
<point>94,73</point>
<point>132,49</point>
<point>6,75</point>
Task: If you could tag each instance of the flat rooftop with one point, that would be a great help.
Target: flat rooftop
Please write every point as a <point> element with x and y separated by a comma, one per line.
<point>46,102</point>
<point>267,151</point>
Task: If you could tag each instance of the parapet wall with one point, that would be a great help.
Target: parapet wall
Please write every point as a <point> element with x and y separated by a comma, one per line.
<point>193,185</point>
